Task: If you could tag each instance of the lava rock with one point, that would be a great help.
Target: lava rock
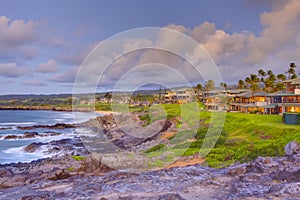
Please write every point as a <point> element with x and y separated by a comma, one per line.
<point>33,147</point>
<point>292,148</point>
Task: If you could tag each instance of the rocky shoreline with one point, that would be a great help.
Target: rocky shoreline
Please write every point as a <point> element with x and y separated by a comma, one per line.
<point>74,173</point>
<point>263,178</point>
<point>55,108</point>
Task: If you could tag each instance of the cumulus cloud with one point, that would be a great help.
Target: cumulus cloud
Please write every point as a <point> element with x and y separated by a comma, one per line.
<point>237,54</point>
<point>16,33</point>
<point>48,67</point>
<point>201,32</point>
<point>33,83</point>
<point>12,70</point>
<point>281,28</point>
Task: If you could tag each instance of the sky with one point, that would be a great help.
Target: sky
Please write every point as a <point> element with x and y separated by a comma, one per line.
<point>44,43</point>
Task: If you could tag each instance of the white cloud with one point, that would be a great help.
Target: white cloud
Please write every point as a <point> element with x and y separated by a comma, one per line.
<point>12,70</point>
<point>16,33</point>
<point>48,67</point>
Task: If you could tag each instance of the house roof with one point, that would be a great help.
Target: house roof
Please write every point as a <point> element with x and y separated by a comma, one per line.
<point>257,94</point>
<point>272,105</point>
<point>282,93</point>
<point>295,81</point>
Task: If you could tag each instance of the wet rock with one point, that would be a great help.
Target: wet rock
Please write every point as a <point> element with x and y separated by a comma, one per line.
<point>11,137</point>
<point>55,126</point>
<point>33,147</point>
<point>30,134</point>
<point>24,127</point>
<point>292,148</point>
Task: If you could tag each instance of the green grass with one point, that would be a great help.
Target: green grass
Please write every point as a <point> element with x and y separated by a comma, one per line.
<point>70,169</point>
<point>244,137</point>
<point>78,158</point>
<point>155,148</point>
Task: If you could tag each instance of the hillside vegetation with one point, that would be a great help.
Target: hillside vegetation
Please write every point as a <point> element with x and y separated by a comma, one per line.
<point>243,137</point>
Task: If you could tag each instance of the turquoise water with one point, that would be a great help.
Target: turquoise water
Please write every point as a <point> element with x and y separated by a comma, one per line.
<point>12,150</point>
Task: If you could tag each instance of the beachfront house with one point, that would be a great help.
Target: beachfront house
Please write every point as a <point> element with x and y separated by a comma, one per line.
<point>261,102</point>
<point>180,96</point>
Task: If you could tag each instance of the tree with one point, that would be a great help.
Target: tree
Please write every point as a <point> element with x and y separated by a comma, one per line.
<point>281,77</point>
<point>241,84</point>
<point>209,85</point>
<point>107,96</point>
<point>270,81</point>
<point>261,74</point>
<point>279,84</point>
<point>223,85</point>
<point>292,71</point>
<point>199,87</point>
<point>252,81</point>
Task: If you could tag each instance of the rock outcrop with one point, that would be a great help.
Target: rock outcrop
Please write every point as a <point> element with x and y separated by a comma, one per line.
<point>55,126</point>
<point>263,178</point>
<point>28,135</point>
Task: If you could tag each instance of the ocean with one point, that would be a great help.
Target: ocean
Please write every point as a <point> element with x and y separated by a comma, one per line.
<point>12,150</point>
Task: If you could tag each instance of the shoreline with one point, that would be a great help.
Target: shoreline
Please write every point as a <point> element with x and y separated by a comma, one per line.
<point>59,109</point>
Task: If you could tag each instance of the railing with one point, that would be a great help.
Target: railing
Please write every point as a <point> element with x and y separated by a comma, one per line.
<point>290,101</point>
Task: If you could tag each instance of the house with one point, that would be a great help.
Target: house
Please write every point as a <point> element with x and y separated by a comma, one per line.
<point>185,95</point>
<point>259,102</point>
<point>181,95</point>
<point>217,100</point>
<point>170,96</point>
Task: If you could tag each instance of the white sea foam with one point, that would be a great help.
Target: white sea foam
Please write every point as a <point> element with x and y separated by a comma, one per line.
<point>16,123</point>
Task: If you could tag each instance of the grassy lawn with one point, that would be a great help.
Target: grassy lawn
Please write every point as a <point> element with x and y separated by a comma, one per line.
<point>243,137</point>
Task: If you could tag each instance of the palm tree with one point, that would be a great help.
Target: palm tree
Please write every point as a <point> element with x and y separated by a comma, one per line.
<point>279,85</point>
<point>223,85</point>
<point>241,84</point>
<point>252,81</point>
<point>108,96</point>
<point>281,77</point>
<point>199,87</point>
<point>291,71</point>
<point>261,74</point>
<point>209,85</point>
<point>270,81</point>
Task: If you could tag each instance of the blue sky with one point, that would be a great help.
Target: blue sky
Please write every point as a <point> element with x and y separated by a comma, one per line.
<point>42,43</point>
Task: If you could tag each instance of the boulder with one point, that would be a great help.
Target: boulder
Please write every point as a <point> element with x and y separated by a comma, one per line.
<point>292,148</point>
<point>5,173</point>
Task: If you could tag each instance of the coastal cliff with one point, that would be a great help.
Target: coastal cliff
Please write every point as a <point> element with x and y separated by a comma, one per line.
<point>74,173</point>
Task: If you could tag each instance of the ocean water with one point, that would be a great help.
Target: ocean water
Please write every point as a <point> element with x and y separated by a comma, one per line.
<point>12,150</point>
